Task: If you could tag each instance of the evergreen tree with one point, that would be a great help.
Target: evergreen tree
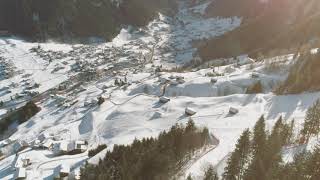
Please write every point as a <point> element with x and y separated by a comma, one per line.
<point>259,136</point>
<point>210,174</point>
<point>189,177</point>
<point>313,165</point>
<point>272,152</point>
<point>239,158</point>
<point>311,122</point>
<point>256,169</point>
<point>191,127</point>
<point>149,158</point>
<point>287,132</point>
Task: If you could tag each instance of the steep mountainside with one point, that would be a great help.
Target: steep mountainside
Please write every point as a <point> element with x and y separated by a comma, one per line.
<point>58,18</point>
<point>267,26</point>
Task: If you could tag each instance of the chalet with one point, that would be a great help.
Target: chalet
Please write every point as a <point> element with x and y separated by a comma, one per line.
<point>48,144</point>
<point>233,110</point>
<point>190,112</point>
<point>25,161</point>
<point>66,146</point>
<point>36,144</point>
<point>20,173</point>
<point>81,146</point>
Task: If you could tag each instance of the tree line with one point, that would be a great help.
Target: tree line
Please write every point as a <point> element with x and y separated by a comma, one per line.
<point>150,158</point>
<point>258,154</point>
<point>20,116</point>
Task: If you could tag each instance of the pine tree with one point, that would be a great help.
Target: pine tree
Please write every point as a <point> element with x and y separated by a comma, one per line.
<point>311,122</point>
<point>313,165</point>
<point>259,135</point>
<point>191,127</point>
<point>272,151</point>
<point>210,174</point>
<point>238,160</point>
<point>189,177</point>
<point>287,132</point>
<point>256,169</point>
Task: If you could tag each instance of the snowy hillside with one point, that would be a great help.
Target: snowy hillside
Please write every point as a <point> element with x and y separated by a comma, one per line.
<point>131,73</point>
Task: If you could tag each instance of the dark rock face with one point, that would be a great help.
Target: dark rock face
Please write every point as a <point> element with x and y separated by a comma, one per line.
<point>267,26</point>
<point>79,18</point>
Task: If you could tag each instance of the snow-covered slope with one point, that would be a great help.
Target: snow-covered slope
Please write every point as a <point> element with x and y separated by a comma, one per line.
<point>70,78</point>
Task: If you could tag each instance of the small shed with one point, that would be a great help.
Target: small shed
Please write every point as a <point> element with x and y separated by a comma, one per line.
<point>190,112</point>
<point>164,99</point>
<point>233,110</point>
<point>20,173</point>
<point>48,144</point>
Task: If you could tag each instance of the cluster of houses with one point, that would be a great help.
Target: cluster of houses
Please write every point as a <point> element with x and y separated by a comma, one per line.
<point>59,172</point>
<point>46,141</point>
<point>48,55</point>
<point>6,69</point>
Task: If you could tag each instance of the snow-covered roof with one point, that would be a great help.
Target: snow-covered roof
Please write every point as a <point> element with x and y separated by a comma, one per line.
<point>190,111</point>
<point>48,143</point>
<point>20,173</point>
<point>164,99</point>
<point>67,146</point>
